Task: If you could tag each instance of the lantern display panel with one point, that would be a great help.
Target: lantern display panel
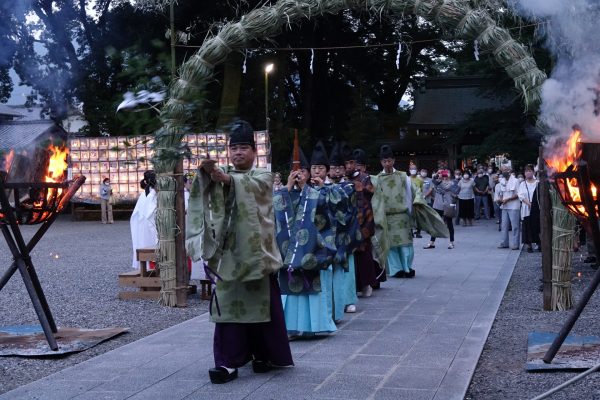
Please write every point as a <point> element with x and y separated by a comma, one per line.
<point>124,159</point>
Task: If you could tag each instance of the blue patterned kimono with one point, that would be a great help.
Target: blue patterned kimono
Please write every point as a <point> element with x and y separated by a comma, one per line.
<point>305,236</point>
<point>306,239</point>
<point>348,237</point>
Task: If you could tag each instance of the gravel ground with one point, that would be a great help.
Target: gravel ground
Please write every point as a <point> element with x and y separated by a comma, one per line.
<point>81,287</point>
<point>500,373</point>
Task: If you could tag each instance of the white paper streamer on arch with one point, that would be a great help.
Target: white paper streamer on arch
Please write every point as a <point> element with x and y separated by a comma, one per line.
<point>312,58</point>
<point>476,51</point>
<point>244,65</point>
<point>398,55</point>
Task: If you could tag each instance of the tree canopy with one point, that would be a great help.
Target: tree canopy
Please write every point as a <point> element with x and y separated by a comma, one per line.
<point>86,54</point>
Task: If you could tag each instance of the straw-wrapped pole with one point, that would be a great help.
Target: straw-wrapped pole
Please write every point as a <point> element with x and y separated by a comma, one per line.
<point>563,236</point>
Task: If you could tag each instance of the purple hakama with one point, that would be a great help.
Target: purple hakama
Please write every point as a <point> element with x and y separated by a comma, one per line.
<point>368,271</point>
<point>235,344</point>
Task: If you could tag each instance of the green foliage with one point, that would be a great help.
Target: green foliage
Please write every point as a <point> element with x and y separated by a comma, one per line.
<point>6,85</point>
<point>502,131</point>
<point>352,94</point>
<point>507,130</point>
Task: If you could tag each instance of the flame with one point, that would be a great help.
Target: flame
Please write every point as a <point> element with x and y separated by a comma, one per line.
<point>57,164</point>
<point>560,163</point>
<point>55,173</point>
<point>8,160</point>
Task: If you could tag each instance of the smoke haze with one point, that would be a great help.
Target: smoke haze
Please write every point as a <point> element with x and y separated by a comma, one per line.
<point>571,93</point>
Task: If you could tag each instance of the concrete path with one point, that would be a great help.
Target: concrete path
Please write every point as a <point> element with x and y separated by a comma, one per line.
<point>414,339</point>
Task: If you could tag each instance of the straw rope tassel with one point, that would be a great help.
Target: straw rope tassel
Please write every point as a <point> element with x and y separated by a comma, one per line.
<point>563,235</point>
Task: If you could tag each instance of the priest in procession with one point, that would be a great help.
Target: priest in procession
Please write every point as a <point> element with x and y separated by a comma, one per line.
<point>230,224</point>
<point>306,238</point>
<point>369,274</point>
<point>347,235</point>
<point>397,205</point>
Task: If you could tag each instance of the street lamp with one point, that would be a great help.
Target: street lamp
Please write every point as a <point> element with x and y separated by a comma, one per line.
<point>268,69</point>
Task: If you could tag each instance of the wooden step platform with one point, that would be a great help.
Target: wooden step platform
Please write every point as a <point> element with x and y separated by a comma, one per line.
<point>147,281</point>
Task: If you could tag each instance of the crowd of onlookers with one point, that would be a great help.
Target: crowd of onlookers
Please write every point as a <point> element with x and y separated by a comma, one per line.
<point>488,192</point>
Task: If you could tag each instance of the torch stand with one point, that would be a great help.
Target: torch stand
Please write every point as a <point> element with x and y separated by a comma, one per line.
<point>9,224</point>
<point>592,207</point>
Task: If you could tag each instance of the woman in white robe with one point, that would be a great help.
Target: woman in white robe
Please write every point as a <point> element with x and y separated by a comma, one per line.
<point>143,219</point>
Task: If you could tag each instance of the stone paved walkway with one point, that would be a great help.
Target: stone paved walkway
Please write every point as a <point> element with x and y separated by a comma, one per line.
<point>414,339</point>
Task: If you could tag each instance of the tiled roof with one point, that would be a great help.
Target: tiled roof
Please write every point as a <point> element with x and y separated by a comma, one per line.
<point>29,113</point>
<point>446,102</point>
<point>6,110</point>
<point>20,134</point>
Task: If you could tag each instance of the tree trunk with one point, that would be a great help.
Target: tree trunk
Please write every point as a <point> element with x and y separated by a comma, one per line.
<point>232,82</point>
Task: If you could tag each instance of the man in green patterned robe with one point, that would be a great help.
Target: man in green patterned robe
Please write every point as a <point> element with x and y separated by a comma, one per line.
<point>392,207</point>
<point>230,224</point>
<point>397,202</point>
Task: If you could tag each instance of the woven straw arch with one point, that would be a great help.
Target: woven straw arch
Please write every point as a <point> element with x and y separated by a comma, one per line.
<point>456,17</point>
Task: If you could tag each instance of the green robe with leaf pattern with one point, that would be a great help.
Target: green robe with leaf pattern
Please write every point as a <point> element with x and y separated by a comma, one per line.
<point>392,206</point>
<point>231,227</point>
<point>394,209</point>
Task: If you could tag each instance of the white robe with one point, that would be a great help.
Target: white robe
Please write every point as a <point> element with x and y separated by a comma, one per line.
<point>143,224</point>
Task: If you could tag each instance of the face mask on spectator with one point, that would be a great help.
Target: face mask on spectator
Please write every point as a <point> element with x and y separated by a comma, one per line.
<point>413,171</point>
<point>480,174</point>
<point>457,176</point>
<point>466,176</point>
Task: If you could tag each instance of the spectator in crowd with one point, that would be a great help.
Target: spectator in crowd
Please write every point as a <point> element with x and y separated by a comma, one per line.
<point>106,203</point>
<point>482,184</point>
<point>457,177</point>
<point>428,187</point>
<point>466,199</point>
<point>445,191</point>
<point>490,195</point>
<point>418,182</point>
<point>530,210</point>
<point>511,207</point>
<point>495,184</point>
<point>277,185</point>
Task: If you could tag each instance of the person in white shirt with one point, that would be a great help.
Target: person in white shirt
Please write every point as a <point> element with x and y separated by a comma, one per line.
<point>511,208</point>
<point>497,199</point>
<point>530,210</point>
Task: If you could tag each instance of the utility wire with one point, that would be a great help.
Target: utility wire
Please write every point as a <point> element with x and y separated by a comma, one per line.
<point>362,46</point>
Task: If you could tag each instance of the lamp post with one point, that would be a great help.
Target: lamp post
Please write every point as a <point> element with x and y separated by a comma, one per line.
<point>268,69</point>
